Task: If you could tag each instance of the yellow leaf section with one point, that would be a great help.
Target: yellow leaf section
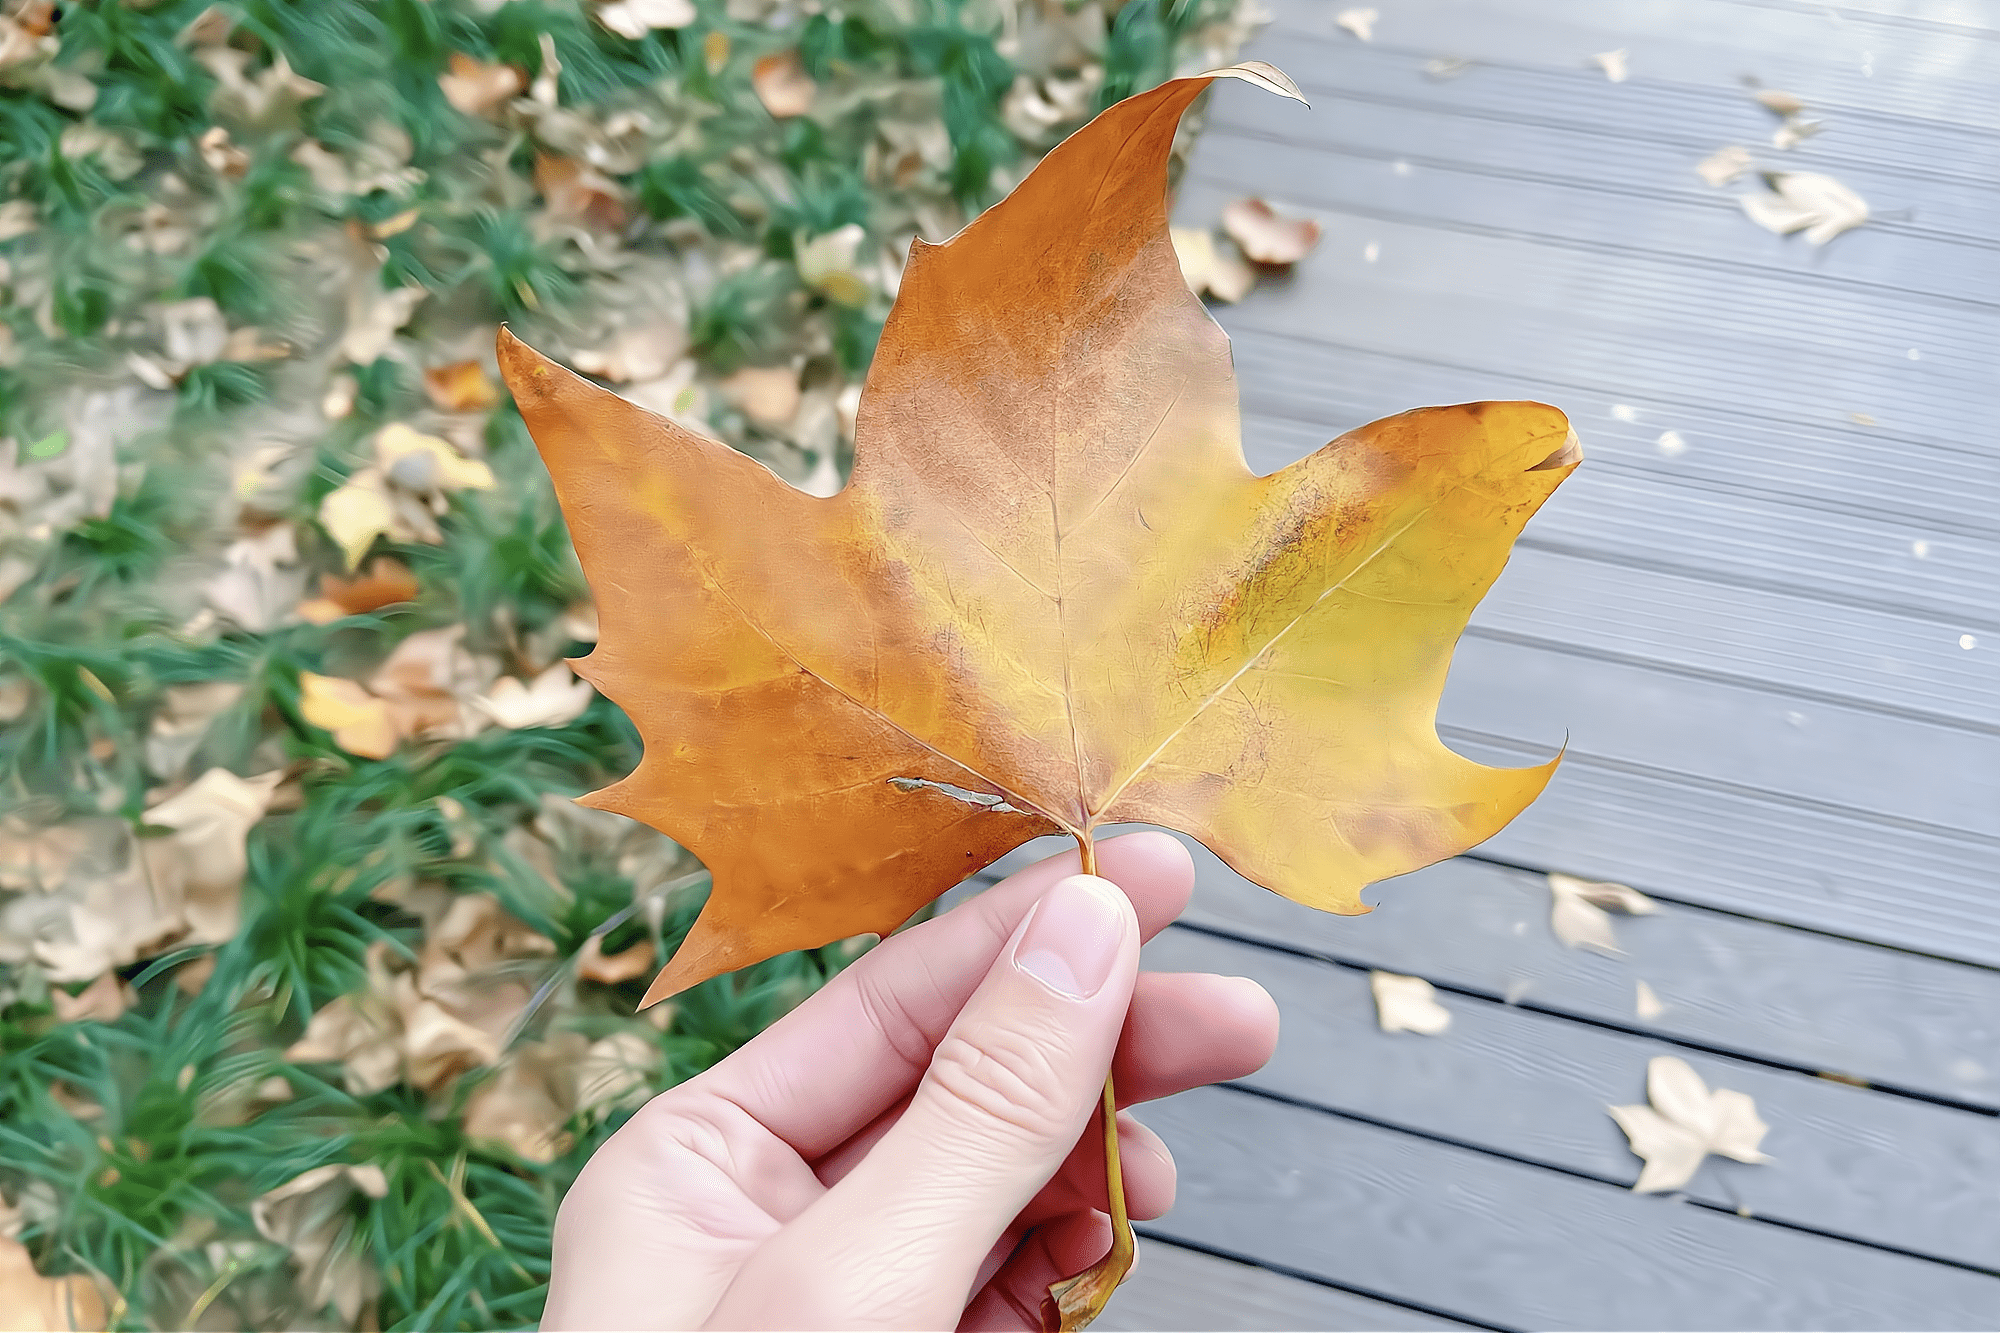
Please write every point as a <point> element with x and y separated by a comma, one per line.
<point>1053,583</point>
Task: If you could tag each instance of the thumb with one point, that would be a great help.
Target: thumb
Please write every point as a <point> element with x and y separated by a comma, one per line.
<point>1010,1089</point>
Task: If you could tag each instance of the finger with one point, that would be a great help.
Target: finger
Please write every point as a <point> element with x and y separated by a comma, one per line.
<point>1009,1090</point>
<point>828,1068</point>
<point>1144,1163</point>
<point>1184,1029</point>
<point>1187,1029</point>
<point>1061,1247</point>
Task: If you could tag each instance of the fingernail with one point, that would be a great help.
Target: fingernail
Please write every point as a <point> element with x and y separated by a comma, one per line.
<point>1074,936</point>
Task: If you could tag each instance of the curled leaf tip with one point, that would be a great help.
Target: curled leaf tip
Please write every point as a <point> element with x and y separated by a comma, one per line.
<point>1263,75</point>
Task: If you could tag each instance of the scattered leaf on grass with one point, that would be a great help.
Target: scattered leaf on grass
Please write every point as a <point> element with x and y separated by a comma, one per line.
<point>1267,236</point>
<point>636,18</point>
<point>182,719</point>
<point>1359,22</point>
<point>593,964</point>
<point>1724,165</point>
<point>1615,65</point>
<point>768,395</point>
<point>1580,911</point>
<point>360,722</point>
<point>1646,1003</point>
<point>782,85</point>
<point>575,191</point>
<point>637,352</point>
<point>1211,268</point>
<point>314,1217</point>
<point>1407,1004</point>
<point>1685,1123</point>
<point>555,698</point>
<point>373,316</point>
<point>29,1301</point>
<point>461,386</point>
<point>199,868</point>
<point>478,88</point>
<point>829,264</point>
<point>1806,201</point>
<point>102,1001</point>
<point>386,582</point>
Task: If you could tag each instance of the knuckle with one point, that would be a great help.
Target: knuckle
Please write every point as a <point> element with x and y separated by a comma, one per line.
<point>1005,1076</point>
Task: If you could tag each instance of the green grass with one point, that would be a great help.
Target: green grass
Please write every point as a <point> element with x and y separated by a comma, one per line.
<point>134,1150</point>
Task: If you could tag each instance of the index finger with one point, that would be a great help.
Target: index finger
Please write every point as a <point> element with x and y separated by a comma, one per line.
<point>830,1067</point>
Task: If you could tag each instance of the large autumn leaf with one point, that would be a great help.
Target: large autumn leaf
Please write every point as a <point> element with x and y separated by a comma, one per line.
<point>1052,596</point>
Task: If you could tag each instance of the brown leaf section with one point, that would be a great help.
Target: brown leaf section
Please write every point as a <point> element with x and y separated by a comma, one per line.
<point>1052,596</point>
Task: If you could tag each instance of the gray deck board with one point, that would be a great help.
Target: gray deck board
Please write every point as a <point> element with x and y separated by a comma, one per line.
<point>1774,651</point>
<point>1188,1289</point>
<point>1501,1242</point>
<point>1887,1170</point>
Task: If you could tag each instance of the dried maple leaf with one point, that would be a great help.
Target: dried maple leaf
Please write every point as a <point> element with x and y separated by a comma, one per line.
<point>1053,595</point>
<point>553,699</point>
<point>1580,911</point>
<point>1806,201</point>
<point>1685,1123</point>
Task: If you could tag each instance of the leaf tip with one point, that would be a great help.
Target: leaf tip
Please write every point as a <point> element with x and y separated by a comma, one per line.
<point>1261,74</point>
<point>1567,456</point>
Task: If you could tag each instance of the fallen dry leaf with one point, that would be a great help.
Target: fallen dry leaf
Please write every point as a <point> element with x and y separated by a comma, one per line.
<point>478,88</point>
<point>1685,1123</point>
<point>636,18</point>
<point>1614,64</point>
<point>102,1001</point>
<point>593,964</point>
<point>1254,659</point>
<point>1785,104</point>
<point>637,352</point>
<point>461,386</point>
<point>387,582</point>
<point>1267,236</point>
<point>526,1103</point>
<point>199,868</point>
<point>715,50</point>
<point>184,716</point>
<point>782,85</point>
<point>1580,911</point>
<point>360,722</point>
<point>220,155</point>
<point>358,511</point>
<point>37,1304</point>
<point>1794,132</point>
<point>578,192</point>
<point>313,1216</point>
<point>1724,165</point>
<point>1646,1004</point>
<point>555,698</point>
<point>1806,201</point>
<point>426,464</point>
<point>1359,22</point>
<point>1209,268</point>
<point>828,263</point>
<point>769,396</point>
<point>1407,1004</point>
<point>373,316</point>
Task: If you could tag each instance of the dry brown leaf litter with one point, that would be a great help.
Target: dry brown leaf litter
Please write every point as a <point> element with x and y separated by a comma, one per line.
<point>1683,1122</point>
<point>1407,1004</point>
<point>1580,911</point>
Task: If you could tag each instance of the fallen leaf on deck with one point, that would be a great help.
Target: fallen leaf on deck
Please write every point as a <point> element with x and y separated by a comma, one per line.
<point>1238,661</point>
<point>1785,104</point>
<point>31,1302</point>
<point>1685,1123</point>
<point>593,964</point>
<point>1446,67</point>
<point>1407,1004</point>
<point>1806,201</point>
<point>1209,268</point>
<point>1614,64</point>
<point>555,698</point>
<point>1360,22</point>
<point>1794,132</point>
<point>313,1216</point>
<point>360,722</point>
<point>782,85</point>
<point>1267,236</point>
<point>387,582</point>
<point>102,1001</point>
<point>1646,1003</point>
<point>1580,911</point>
<point>769,396</point>
<point>1724,165</point>
<point>461,386</point>
<point>478,88</point>
<point>636,18</point>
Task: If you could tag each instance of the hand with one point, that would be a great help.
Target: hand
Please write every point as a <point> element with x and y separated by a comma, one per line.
<point>916,1146</point>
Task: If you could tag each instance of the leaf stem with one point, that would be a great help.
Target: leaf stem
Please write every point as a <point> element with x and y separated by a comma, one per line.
<point>1074,1302</point>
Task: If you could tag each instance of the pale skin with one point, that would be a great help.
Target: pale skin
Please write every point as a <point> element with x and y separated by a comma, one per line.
<point>916,1146</point>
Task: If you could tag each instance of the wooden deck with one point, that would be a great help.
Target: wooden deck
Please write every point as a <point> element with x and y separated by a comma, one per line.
<point>1775,654</point>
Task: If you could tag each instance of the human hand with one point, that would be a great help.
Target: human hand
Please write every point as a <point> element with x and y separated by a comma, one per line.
<point>916,1146</point>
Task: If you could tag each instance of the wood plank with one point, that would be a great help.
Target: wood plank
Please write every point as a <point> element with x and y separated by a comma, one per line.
<point>1842,59</point>
<point>1857,1163</point>
<point>1788,645</point>
<point>1903,769</point>
<point>1789,996</point>
<point>1174,1287</point>
<point>1506,1243</point>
